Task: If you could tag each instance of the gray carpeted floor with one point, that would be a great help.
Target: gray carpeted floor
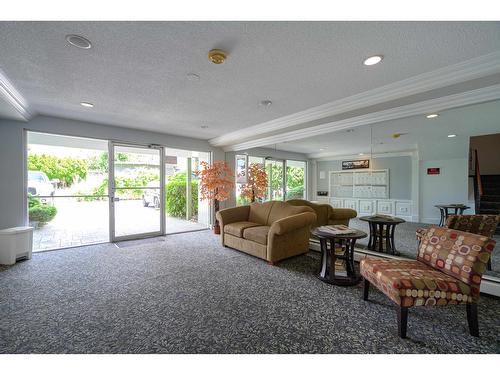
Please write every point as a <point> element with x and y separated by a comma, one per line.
<point>187,294</point>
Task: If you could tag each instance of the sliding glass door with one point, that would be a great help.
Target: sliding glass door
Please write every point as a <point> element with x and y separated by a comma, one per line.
<point>136,192</point>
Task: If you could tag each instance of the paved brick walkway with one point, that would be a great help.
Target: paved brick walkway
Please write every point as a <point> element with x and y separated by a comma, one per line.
<point>79,223</point>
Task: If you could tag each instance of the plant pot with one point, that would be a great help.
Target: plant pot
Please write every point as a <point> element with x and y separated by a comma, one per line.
<point>217,228</point>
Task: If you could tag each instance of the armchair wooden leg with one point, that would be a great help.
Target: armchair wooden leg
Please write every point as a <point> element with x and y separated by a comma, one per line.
<point>402,321</point>
<point>271,263</point>
<point>366,289</point>
<point>472,319</point>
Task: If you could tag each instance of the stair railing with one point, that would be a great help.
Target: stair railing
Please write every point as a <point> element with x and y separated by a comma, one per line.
<point>478,185</point>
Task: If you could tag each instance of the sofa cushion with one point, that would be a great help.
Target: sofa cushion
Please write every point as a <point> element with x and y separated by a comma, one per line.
<point>257,234</point>
<point>236,229</point>
<point>412,283</point>
<point>259,212</point>
<point>458,254</point>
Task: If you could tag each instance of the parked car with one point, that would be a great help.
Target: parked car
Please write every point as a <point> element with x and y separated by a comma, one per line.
<point>151,197</point>
<point>40,186</point>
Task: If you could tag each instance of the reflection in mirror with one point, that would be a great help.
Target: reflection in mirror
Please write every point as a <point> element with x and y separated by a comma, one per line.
<point>418,169</point>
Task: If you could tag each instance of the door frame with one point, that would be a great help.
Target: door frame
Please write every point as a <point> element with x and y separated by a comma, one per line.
<point>111,192</point>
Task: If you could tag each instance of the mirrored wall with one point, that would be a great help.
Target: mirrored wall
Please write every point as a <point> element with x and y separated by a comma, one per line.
<point>408,168</point>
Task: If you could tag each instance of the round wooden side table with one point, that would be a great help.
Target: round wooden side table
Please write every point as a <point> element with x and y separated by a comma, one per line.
<point>344,244</point>
<point>382,231</point>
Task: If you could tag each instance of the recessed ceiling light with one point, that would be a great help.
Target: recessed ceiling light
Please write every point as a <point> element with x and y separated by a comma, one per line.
<point>265,103</point>
<point>433,115</point>
<point>373,60</point>
<point>361,154</point>
<point>321,149</point>
<point>86,104</point>
<point>193,77</point>
<point>78,41</point>
<point>452,135</point>
<point>204,126</point>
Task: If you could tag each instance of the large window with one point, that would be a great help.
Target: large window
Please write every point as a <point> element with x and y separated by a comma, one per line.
<point>295,179</point>
<point>184,210</point>
<point>286,179</point>
<point>67,185</point>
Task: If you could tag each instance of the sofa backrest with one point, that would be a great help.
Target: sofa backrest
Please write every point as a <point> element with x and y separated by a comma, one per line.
<point>259,212</point>
<point>479,224</point>
<point>322,211</point>
<point>281,210</point>
<point>268,212</point>
<point>458,254</point>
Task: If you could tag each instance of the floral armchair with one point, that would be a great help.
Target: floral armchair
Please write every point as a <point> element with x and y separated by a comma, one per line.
<point>484,225</point>
<point>448,271</point>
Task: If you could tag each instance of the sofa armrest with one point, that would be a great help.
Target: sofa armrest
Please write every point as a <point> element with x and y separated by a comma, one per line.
<point>291,223</point>
<point>232,215</point>
<point>342,214</point>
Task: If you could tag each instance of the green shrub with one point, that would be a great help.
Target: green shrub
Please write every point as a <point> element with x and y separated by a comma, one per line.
<point>295,192</point>
<point>141,179</point>
<point>32,201</point>
<point>42,213</point>
<point>175,196</point>
<point>64,169</point>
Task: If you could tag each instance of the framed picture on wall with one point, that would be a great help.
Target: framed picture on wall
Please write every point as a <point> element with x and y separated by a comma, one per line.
<point>355,164</point>
<point>241,169</point>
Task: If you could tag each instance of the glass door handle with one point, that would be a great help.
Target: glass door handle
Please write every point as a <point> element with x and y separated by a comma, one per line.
<point>116,199</point>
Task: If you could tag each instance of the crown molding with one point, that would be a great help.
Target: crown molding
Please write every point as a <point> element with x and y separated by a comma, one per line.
<point>9,93</point>
<point>330,156</point>
<point>481,95</point>
<point>467,70</point>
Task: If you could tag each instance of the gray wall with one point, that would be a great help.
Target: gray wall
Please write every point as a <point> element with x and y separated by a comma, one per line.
<point>12,154</point>
<point>400,174</point>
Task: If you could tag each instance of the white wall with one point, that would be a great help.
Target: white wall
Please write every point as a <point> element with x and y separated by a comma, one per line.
<point>12,154</point>
<point>399,167</point>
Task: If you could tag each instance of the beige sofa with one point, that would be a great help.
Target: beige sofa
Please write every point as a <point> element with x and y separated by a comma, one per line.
<point>272,230</point>
<point>326,214</point>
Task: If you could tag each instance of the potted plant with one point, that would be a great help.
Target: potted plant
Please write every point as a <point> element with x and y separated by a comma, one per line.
<point>255,188</point>
<point>216,184</point>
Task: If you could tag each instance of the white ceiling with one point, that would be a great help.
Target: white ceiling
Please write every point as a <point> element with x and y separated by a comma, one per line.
<point>478,119</point>
<point>135,74</point>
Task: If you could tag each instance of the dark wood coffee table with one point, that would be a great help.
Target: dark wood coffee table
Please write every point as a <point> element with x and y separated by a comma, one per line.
<point>444,210</point>
<point>346,243</point>
<point>382,231</point>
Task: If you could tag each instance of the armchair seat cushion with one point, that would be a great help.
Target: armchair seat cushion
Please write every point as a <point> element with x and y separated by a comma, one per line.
<point>236,229</point>
<point>413,283</point>
<point>257,234</point>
